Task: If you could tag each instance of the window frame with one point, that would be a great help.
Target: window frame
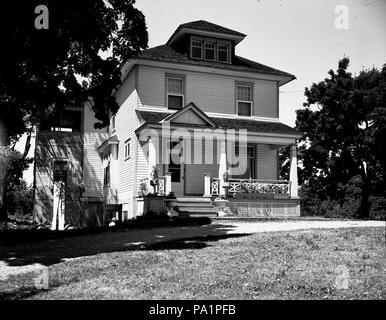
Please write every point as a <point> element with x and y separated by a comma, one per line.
<point>214,50</point>
<point>251,102</point>
<point>127,149</point>
<point>179,77</point>
<point>106,175</point>
<point>227,45</point>
<point>216,42</point>
<point>113,123</point>
<point>191,48</point>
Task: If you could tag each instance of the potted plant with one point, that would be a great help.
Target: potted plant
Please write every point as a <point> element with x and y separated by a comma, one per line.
<point>154,177</point>
<point>171,204</point>
<point>144,187</point>
<point>220,204</point>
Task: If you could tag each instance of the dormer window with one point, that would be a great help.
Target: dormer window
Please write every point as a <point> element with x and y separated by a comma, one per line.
<point>223,52</point>
<point>210,50</point>
<point>197,49</point>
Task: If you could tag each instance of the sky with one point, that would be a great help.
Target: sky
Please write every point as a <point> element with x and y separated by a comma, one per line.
<point>303,37</point>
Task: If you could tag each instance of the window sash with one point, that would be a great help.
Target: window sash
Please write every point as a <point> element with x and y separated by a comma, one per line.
<point>242,108</point>
<point>244,93</point>
<point>210,51</point>
<point>196,44</point>
<point>127,149</point>
<point>221,49</point>
<point>171,99</point>
<point>175,85</point>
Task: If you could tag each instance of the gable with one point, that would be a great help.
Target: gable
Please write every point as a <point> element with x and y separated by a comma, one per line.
<point>190,114</point>
<point>189,117</point>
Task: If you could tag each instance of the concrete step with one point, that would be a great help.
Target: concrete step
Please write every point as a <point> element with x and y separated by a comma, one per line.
<point>195,204</point>
<point>194,200</point>
<point>190,214</point>
<point>209,209</point>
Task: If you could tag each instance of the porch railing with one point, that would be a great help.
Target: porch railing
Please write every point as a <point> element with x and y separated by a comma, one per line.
<point>236,186</point>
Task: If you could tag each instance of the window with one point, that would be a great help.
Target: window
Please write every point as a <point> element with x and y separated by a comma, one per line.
<point>197,49</point>
<point>209,51</point>
<point>244,100</point>
<point>113,122</point>
<point>106,175</point>
<point>60,171</point>
<point>250,172</point>
<point>223,52</point>
<point>127,149</point>
<point>175,92</point>
<point>64,121</point>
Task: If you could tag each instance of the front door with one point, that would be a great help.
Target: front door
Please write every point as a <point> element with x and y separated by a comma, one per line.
<point>176,167</point>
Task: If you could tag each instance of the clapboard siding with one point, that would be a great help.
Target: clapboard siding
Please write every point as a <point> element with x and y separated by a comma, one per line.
<point>123,170</point>
<point>212,93</point>
<point>266,162</point>
<point>92,160</point>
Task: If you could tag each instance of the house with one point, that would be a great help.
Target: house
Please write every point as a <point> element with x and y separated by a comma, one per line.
<point>195,119</point>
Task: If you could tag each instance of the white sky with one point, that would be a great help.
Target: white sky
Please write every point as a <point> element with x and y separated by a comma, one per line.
<point>297,36</point>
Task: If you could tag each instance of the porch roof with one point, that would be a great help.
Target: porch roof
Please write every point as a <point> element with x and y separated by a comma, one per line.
<point>107,143</point>
<point>152,117</point>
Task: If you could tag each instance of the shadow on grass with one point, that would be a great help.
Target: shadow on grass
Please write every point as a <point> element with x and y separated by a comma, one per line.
<point>56,248</point>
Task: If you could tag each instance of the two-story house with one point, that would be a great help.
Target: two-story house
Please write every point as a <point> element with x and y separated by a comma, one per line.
<point>201,122</point>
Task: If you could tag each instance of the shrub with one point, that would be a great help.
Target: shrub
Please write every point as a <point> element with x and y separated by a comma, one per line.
<point>20,201</point>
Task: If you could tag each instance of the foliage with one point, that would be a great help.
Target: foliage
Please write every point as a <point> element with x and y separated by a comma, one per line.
<point>40,67</point>
<point>75,61</point>
<point>343,125</point>
<point>20,200</point>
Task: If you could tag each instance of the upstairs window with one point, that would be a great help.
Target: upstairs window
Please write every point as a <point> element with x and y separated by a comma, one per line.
<point>223,52</point>
<point>197,49</point>
<point>244,100</point>
<point>175,92</point>
<point>63,121</point>
<point>127,149</point>
<point>113,123</point>
<point>210,50</point>
<point>106,175</point>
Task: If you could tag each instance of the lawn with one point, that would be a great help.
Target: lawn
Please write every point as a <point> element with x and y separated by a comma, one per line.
<point>277,265</point>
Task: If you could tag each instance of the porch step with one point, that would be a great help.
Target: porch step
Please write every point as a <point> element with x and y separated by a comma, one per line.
<point>196,207</point>
<point>190,214</point>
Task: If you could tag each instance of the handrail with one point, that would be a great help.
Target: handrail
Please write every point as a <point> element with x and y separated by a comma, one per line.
<point>259,181</point>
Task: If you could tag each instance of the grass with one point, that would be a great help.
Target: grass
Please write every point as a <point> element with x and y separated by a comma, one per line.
<point>280,265</point>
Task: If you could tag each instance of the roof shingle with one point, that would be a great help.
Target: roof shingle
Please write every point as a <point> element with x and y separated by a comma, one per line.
<point>167,54</point>
<point>152,117</point>
<point>208,26</point>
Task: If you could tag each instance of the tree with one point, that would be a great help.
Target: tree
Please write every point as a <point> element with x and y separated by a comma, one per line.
<point>42,70</point>
<point>343,125</point>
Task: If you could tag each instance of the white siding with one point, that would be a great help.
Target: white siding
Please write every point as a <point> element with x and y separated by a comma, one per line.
<point>211,93</point>
<point>126,121</point>
<point>92,161</point>
<point>266,162</point>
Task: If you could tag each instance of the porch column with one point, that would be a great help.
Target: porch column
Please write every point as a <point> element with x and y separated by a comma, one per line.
<point>207,181</point>
<point>168,183</point>
<point>222,168</point>
<point>294,172</point>
<point>151,162</point>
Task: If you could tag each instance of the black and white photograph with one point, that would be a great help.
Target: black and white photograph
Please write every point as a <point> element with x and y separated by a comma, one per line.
<point>197,157</point>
